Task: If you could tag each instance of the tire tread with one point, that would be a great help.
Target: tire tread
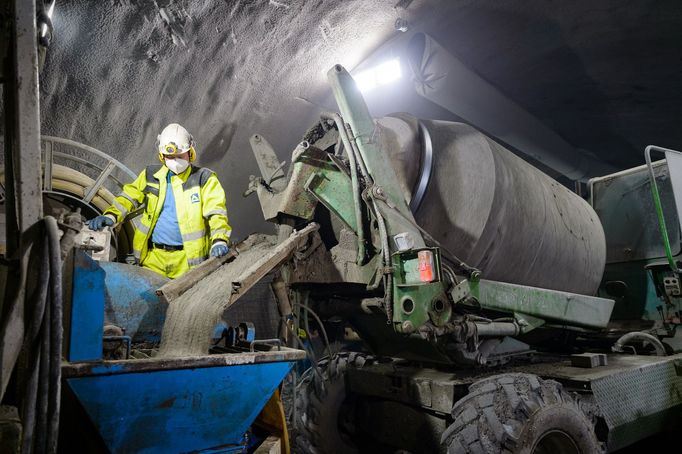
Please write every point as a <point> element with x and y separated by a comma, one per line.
<point>310,399</point>
<point>491,417</point>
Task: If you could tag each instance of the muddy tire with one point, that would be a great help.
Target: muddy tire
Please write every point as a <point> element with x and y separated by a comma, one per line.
<point>519,413</point>
<point>324,411</point>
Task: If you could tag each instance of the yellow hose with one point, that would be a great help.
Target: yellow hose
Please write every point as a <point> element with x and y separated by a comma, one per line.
<point>76,184</point>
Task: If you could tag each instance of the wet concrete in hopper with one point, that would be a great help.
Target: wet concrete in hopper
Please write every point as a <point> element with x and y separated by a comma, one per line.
<point>192,317</point>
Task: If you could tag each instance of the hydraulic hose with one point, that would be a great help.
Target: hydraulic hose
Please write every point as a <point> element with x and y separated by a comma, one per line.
<point>385,262</point>
<point>322,328</point>
<point>28,407</point>
<point>40,400</point>
<point>620,343</point>
<point>356,162</point>
<point>43,385</point>
<point>310,353</point>
<point>32,340</point>
<point>497,329</point>
<point>358,156</point>
<point>56,334</point>
<point>355,182</point>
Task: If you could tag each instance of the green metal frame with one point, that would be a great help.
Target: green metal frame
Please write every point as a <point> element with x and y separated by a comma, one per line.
<point>549,305</point>
<point>333,188</point>
<point>318,177</point>
<point>366,137</point>
<point>425,296</point>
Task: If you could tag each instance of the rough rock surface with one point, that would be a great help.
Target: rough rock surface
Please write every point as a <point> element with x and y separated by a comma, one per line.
<point>604,75</point>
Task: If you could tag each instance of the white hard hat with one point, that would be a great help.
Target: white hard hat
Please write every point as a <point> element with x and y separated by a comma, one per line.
<point>174,139</point>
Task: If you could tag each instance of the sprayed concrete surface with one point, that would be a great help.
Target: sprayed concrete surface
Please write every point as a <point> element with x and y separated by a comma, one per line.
<point>119,71</point>
<point>603,76</point>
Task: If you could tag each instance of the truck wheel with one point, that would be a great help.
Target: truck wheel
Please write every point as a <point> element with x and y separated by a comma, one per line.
<point>324,411</point>
<point>519,413</point>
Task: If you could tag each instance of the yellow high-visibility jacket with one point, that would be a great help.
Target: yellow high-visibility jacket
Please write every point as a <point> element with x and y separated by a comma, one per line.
<point>199,202</point>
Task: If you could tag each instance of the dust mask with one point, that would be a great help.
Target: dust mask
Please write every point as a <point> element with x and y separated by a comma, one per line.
<point>177,166</point>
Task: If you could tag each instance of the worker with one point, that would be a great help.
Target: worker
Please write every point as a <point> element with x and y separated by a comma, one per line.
<point>184,219</point>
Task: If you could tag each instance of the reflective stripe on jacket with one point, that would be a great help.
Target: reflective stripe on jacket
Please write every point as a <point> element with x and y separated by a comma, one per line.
<point>199,202</point>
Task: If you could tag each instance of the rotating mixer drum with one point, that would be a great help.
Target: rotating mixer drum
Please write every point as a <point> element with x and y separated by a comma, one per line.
<point>492,209</point>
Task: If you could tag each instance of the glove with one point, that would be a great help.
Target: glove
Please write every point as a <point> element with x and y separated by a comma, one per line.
<point>100,222</point>
<point>219,249</point>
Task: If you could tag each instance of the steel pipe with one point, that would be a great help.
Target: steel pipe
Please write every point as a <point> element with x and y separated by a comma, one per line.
<point>495,329</point>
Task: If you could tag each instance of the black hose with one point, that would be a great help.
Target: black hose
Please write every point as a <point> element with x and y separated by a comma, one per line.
<point>28,405</point>
<point>38,299</point>
<point>43,343</point>
<point>36,302</point>
<point>450,274</point>
<point>355,181</point>
<point>385,263</point>
<point>324,331</point>
<point>310,353</point>
<point>43,386</point>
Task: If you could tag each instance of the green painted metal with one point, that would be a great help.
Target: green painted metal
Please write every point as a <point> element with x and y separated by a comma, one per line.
<point>410,268</point>
<point>351,272</point>
<point>365,135</point>
<point>427,301</point>
<point>294,200</point>
<point>356,191</point>
<point>333,188</point>
<point>551,305</point>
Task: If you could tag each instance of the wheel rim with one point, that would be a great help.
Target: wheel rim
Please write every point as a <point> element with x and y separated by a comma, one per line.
<point>555,442</point>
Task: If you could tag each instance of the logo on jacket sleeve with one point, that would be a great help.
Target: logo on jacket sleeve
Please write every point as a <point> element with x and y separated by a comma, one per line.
<point>194,198</point>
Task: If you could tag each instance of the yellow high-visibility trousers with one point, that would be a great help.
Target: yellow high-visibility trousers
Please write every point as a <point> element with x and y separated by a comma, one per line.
<point>172,264</point>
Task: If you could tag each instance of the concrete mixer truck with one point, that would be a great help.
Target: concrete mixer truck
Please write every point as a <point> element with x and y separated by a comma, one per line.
<point>483,306</point>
